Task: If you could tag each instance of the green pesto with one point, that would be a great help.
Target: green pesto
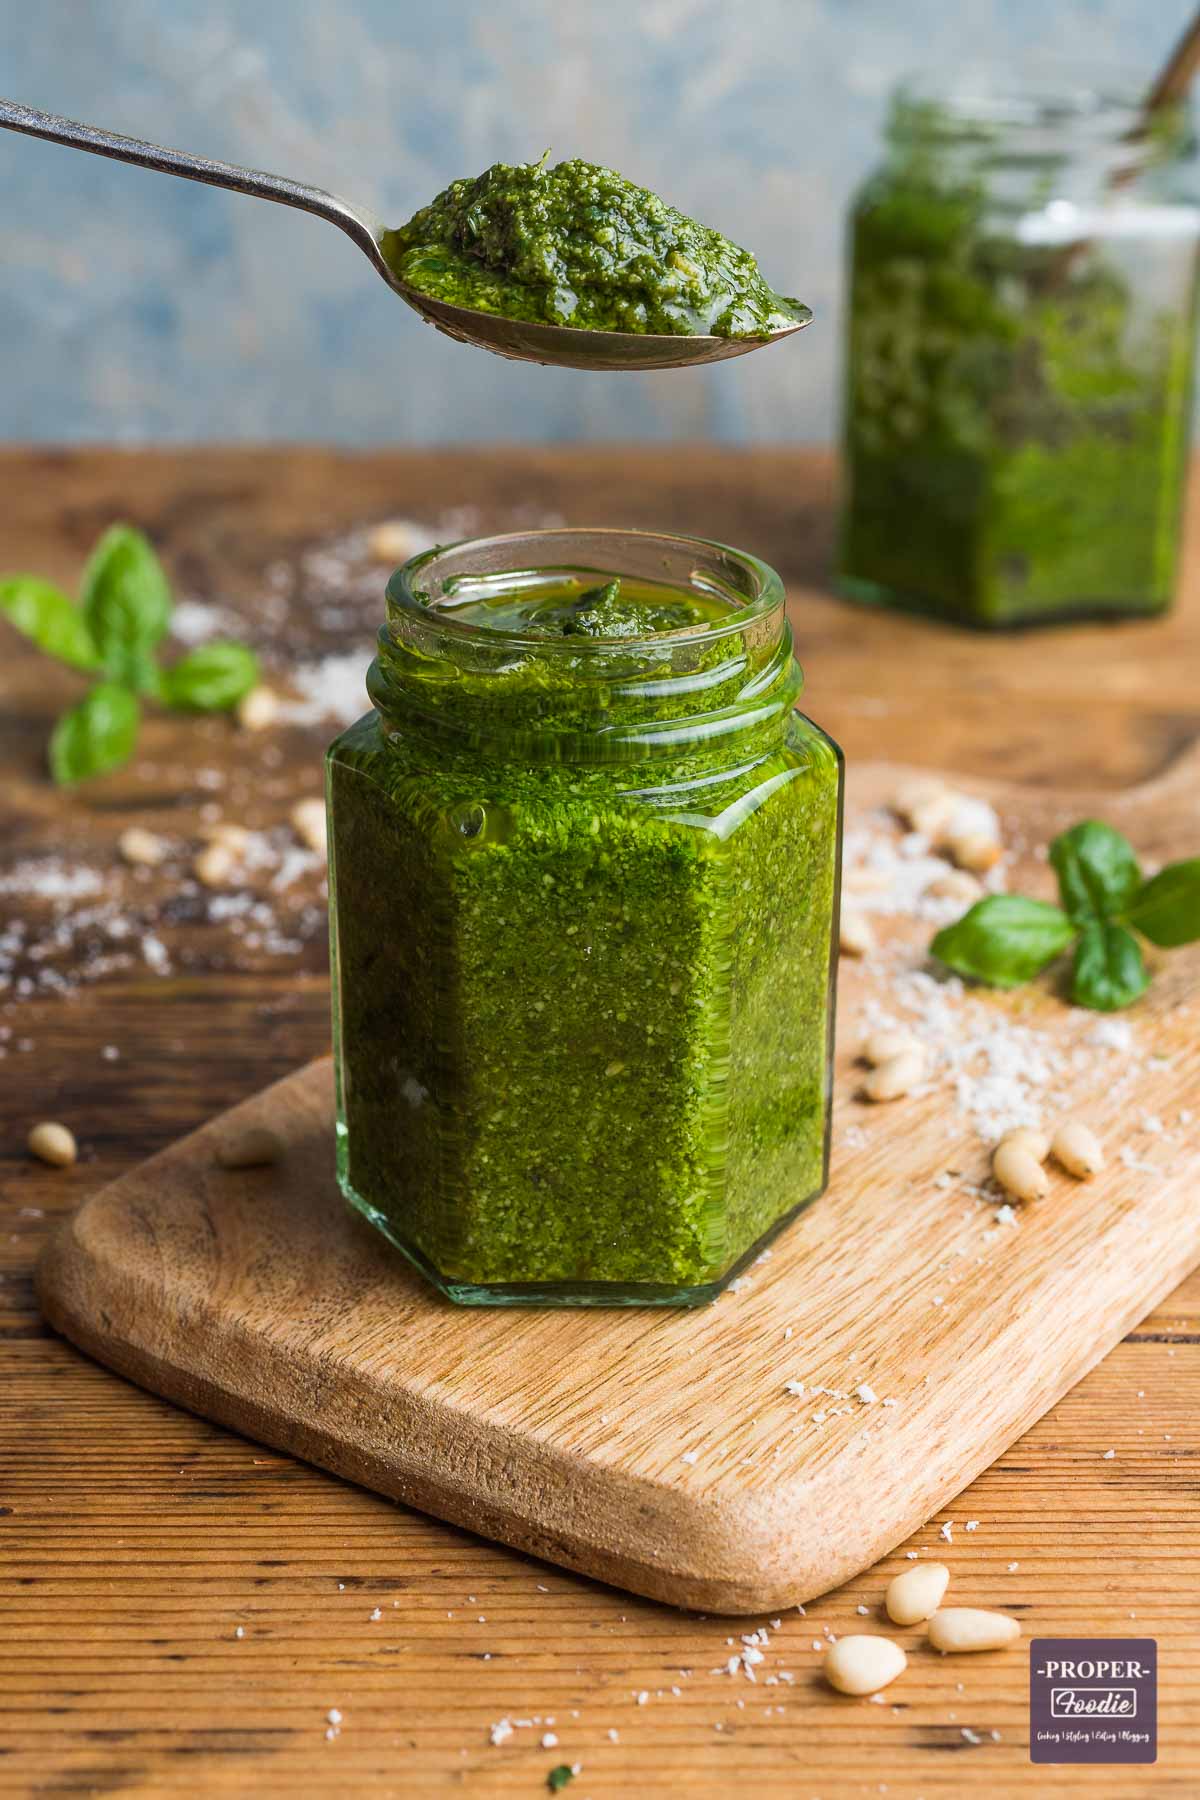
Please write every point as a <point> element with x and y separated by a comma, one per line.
<point>583,1008</point>
<point>609,609</point>
<point>1017,416</point>
<point>580,245</point>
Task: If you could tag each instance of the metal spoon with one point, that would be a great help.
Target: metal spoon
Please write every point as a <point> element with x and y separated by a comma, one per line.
<point>519,339</point>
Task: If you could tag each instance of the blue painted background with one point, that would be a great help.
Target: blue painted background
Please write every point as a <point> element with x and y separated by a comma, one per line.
<point>137,307</point>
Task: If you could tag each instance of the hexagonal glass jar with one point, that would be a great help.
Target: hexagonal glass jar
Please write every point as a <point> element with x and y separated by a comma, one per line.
<point>582,896</point>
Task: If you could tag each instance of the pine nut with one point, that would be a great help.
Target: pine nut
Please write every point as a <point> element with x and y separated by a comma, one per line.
<point>898,1076</point>
<point>881,1046</point>
<point>855,937</point>
<point>214,865</point>
<point>1019,1172</point>
<point>137,845</point>
<point>258,708</point>
<point>249,1148</point>
<point>234,837</point>
<point>1027,1137</point>
<point>1077,1148</point>
<point>394,541</point>
<point>931,816</point>
<point>974,850</point>
<point>925,791</point>
<point>956,1629</point>
<point>955,884</point>
<point>917,1593</point>
<point>308,822</point>
<point>862,1665</point>
<point>52,1143</point>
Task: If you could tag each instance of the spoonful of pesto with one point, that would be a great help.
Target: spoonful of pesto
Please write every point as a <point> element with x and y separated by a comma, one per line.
<point>579,249</point>
<point>570,265</point>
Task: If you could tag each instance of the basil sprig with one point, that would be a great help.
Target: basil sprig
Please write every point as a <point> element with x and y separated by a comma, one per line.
<point>114,634</point>
<point>97,735</point>
<point>1006,940</point>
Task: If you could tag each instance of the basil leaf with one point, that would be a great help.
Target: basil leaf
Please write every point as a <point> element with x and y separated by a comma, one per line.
<point>209,679</point>
<point>558,1778</point>
<point>1097,871</point>
<point>1004,940</point>
<point>1109,971</point>
<point>126,601</point>
<point>1166,909</point>
<point>96,735</point>
<point>45,614</point>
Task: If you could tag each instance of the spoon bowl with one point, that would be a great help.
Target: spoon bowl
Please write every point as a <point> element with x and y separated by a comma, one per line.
<point>567,347</point>
<point>522,340</point>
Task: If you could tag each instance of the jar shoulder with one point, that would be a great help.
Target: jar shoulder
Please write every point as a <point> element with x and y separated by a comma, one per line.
<point>926,207</point>
<point>540,802</point>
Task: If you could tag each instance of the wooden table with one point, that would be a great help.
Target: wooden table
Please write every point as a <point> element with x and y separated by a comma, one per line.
<point>137,1542</point>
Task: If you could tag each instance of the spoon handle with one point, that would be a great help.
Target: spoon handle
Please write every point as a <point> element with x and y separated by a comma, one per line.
<point>256,182</point>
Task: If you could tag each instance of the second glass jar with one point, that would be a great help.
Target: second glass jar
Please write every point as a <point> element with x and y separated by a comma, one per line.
<point>583,893</point>
<point>1019,358</point>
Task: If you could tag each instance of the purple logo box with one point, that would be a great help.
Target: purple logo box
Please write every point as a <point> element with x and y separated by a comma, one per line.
<point>1093,1700</point>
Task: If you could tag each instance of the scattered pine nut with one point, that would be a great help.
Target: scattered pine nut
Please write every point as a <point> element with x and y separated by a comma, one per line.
<point>922,792</point>
<point>862,1665</point>
<point>898,1076</point>
<point>974,850</point>
<point>215,864</point>
<point>881,1046</point>
<point>1027,1137</point>
<point>1019,1172</point>
<point>258,708</point>
<point>1077,1148</point>
<point>308,822</point>
<point>932,815</point>
<point>855,936</point>
<point>234,837</point>
<point>394,541</point>
<point>137,845</point>
<point>52,1143</point>
<point>917,1593</point>
<point>956,1629</point>
<point>249,1148</point>
<point>956,884</point>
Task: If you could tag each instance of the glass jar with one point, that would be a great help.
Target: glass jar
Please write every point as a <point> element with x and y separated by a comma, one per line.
<point>1019,364</point>
<point>582,894</point>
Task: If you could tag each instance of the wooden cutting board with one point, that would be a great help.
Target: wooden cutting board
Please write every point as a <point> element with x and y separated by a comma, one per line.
<point>659,1449</point>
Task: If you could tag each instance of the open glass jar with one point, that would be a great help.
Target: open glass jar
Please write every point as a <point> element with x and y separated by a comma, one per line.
<point>1019,362</point>
<point>582,894</point>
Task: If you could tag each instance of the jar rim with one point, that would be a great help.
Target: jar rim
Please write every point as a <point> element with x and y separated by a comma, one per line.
<point>548,549</point>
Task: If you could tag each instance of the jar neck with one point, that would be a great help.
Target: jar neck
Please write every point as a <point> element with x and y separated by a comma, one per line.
<point>719,689</point>
<point>1034,141</point>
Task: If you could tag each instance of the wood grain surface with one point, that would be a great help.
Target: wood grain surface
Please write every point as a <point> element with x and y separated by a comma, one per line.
<point>256,1298</point>
<point>138,1539</point>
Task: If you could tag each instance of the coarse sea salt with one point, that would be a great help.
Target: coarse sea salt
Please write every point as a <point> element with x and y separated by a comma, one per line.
<point>334,688</point>
<point>192,621</point>
<point>1111,1034</point>
<point>49,878</point>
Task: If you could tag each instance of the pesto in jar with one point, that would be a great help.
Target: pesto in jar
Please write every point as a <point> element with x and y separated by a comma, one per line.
<point>583,894</point>
<point>576,244</point>
<point>1019,376</point>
